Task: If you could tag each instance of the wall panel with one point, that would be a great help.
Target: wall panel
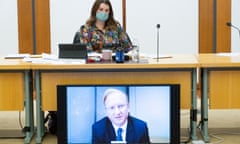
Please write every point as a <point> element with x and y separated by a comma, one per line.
<point>214,35</point>
<point>27,44</point>
<point>205,26</point>
<point>223,31</point>
<point>42,26</point>
<point>25,26</point>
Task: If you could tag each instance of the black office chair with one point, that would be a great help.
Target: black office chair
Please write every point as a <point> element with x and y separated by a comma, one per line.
<point>76,38</point>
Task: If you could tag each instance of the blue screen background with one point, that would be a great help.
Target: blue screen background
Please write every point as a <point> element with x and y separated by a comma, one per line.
<point>149,103</point>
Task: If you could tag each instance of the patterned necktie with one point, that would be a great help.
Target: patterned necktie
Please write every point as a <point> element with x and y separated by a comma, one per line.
<point>119,134</point>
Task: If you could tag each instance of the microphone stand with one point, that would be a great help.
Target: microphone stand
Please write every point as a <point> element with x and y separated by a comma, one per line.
<point>231,25</point>
<point>158,27</point>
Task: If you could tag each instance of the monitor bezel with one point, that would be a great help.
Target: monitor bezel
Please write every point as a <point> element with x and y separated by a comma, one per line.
<point>174,107</point>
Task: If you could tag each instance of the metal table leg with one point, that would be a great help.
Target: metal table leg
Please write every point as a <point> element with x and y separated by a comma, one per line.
<point>204,105</point>
<point>39,112</point>
<point>29,116</point>
<point>193,117</point>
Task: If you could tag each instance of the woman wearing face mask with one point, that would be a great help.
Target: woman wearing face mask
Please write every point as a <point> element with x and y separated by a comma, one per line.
<point>102,30</point>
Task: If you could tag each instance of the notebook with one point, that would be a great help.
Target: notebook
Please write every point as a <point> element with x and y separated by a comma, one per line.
<point>72,51</point>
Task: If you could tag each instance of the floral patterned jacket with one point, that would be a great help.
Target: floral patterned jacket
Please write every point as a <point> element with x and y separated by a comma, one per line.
<point>96,40</point>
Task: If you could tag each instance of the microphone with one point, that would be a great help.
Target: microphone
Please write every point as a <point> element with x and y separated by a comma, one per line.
<point>158,27</point>
<point>231,25</point>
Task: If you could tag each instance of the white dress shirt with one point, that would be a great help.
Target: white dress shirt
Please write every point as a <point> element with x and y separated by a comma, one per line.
<point>124,130</point>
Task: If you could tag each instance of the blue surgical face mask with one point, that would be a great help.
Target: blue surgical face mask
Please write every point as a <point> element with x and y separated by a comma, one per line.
<point>102,16</point>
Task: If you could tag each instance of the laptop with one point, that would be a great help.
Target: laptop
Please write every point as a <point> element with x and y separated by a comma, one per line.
<point>72,51</point>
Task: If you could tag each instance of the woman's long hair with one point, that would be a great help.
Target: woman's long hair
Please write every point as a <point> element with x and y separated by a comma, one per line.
<point>111,23</point>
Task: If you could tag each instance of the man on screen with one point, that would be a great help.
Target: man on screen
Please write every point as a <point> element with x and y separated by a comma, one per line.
<point>118,125</point>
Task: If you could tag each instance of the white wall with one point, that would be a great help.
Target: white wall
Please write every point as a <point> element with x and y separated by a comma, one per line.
<point>178,20</point>
<point>235,40</point>
<point>68,15</point>
<point>8,27</point>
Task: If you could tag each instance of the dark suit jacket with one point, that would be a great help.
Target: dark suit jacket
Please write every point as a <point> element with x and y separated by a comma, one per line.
<point>103,131</point>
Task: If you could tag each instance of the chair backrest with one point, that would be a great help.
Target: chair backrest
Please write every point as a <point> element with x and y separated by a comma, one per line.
<point>76,38</point>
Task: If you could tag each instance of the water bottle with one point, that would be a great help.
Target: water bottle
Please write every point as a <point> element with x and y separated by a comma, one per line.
<point>135,50</point>
<point>119,55</point>
<point>135,53</point>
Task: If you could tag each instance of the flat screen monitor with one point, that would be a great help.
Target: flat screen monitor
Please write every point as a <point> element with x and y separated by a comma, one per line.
<point>79,106</point>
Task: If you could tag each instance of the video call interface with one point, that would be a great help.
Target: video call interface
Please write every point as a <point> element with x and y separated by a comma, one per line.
<point>148,103</point>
